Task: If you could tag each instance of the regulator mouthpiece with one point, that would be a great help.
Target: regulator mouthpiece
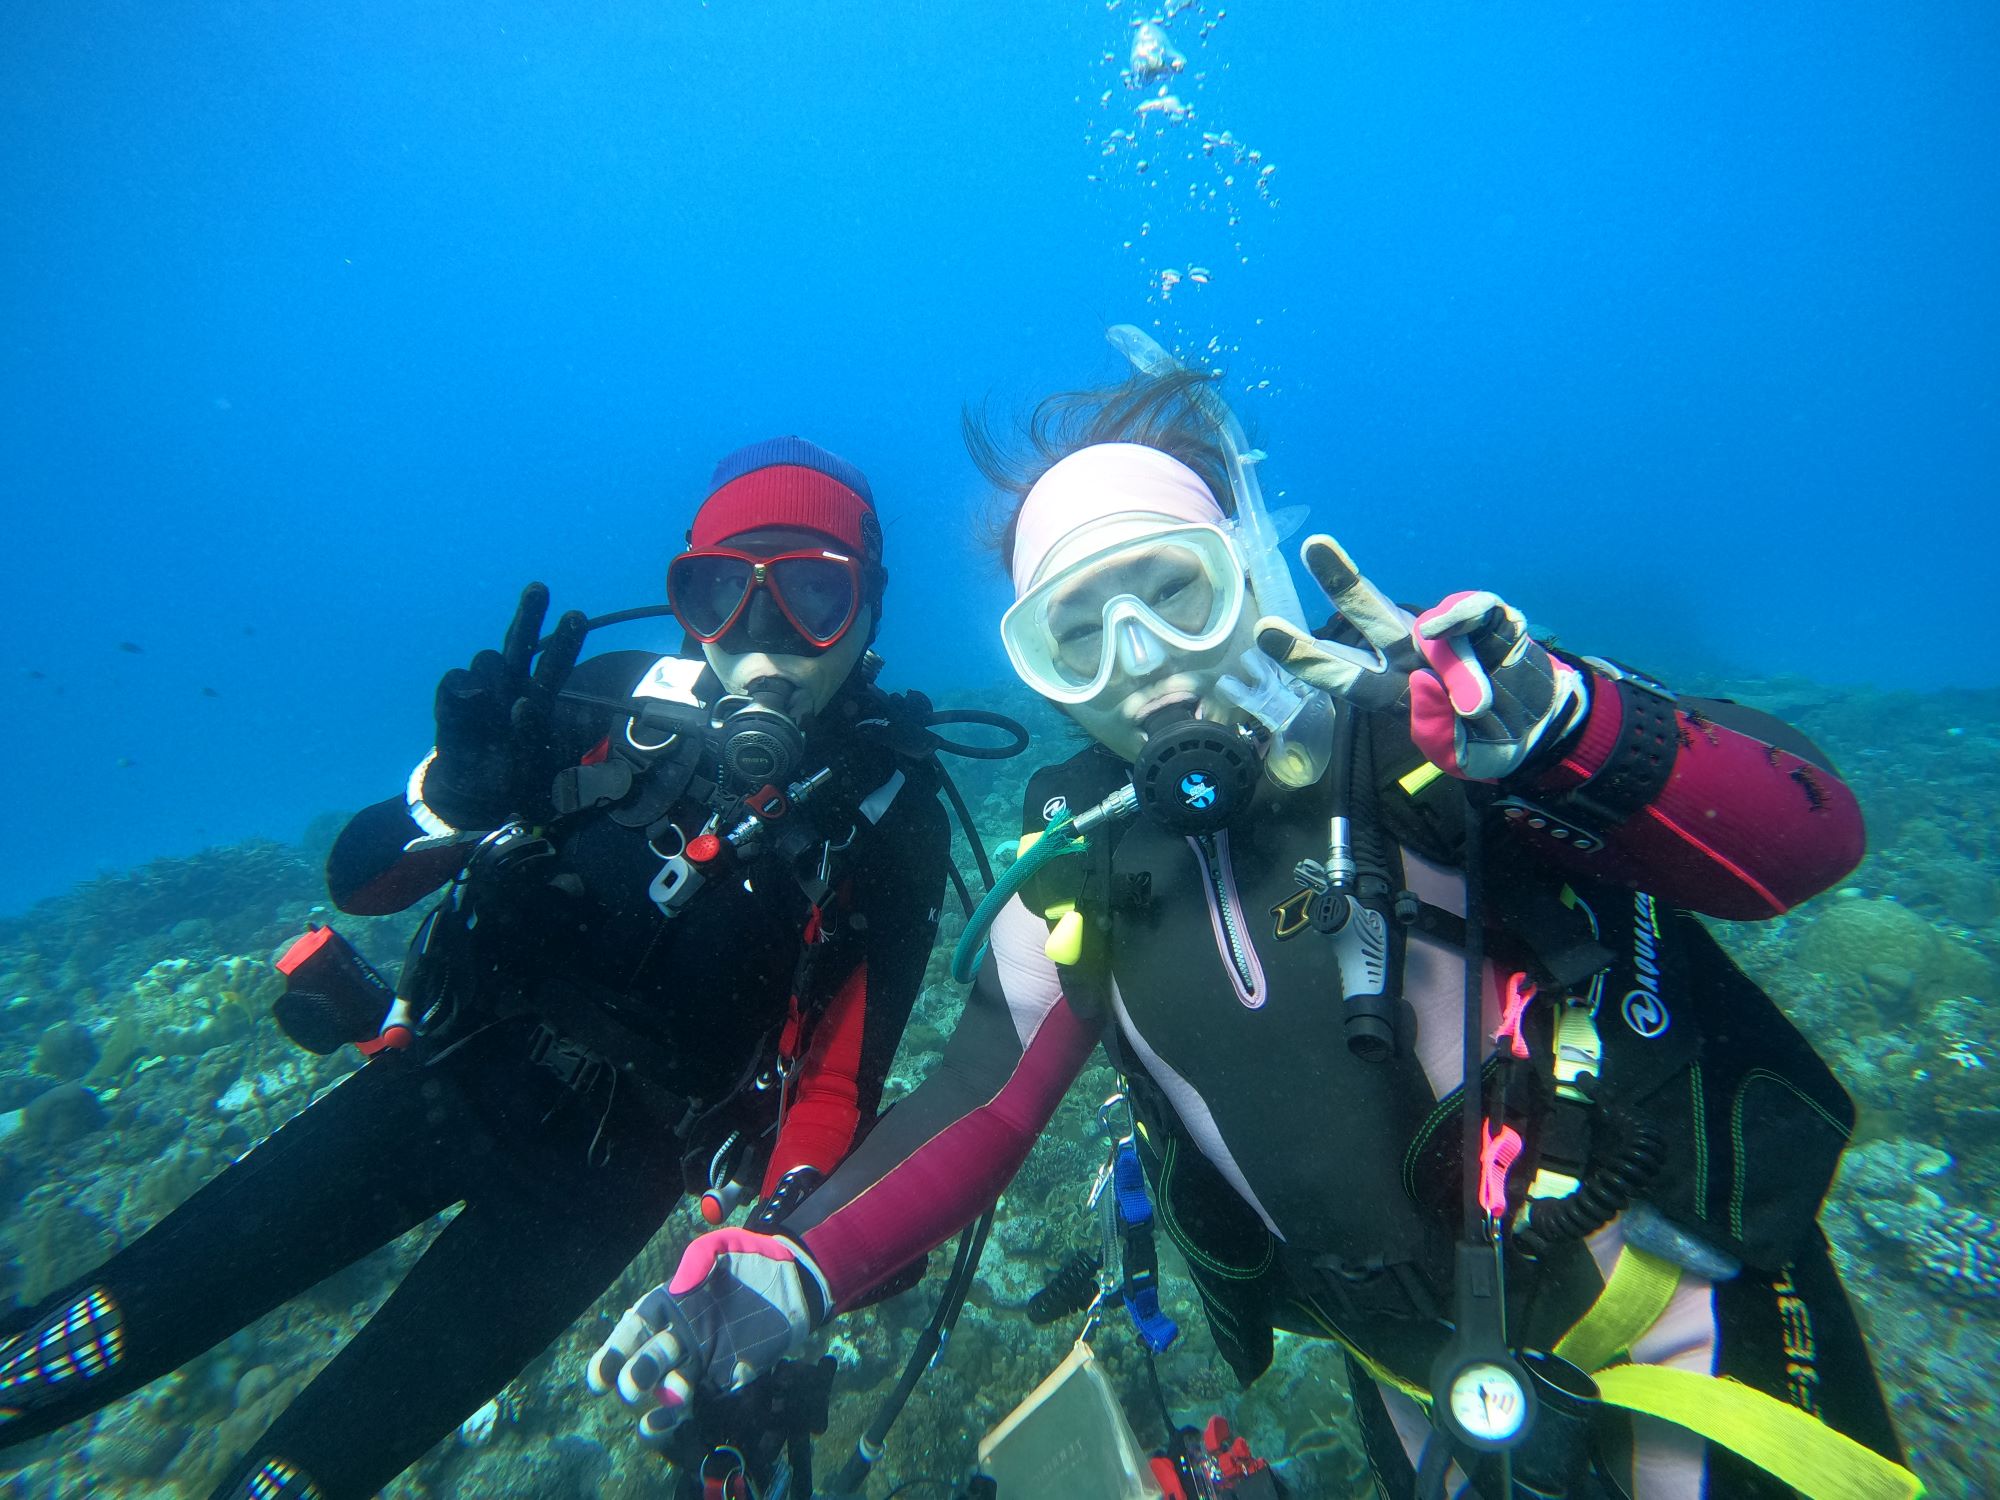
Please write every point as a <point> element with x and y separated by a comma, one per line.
<point>1194,775</point>
<point>761,744</point>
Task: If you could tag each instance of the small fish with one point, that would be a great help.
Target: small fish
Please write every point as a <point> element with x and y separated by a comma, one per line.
<point>209,692</point>
<point>133,647</point>
<point>34,676</point>
<point>125,763</point>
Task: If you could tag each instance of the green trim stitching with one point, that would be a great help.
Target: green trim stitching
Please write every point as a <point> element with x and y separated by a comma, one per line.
<point>1806,1099</point>
<point>1217,1313</point>
<point>1736,1135</point>
<point>1187,1246</point>
<point>1700,1105</point>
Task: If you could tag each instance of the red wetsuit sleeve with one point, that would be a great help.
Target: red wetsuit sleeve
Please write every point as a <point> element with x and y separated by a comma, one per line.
<point>940,1157</point>
<point>1753,818</point>
<point>825,1112</point>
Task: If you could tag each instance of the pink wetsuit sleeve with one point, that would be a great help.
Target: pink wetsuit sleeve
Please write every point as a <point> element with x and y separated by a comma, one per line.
<point>1752,820</point>
<point>941,1156</point>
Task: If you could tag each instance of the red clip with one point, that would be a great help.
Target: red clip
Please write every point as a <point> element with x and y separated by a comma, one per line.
<point>767,802</point>
<point>1231,1453</point>
<point>1217,1435</point>
<point>1513,1006</point>
<point>392,1039</point>
<point>305,946</point>
<point>1168,1477</point>
<point>1496,1155</point>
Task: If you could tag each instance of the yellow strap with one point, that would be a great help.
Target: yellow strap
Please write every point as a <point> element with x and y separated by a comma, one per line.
<point>1637,1293</point>
<point>1579,1049</point>
<point>1779,1438</point>
<point>1415,781</point>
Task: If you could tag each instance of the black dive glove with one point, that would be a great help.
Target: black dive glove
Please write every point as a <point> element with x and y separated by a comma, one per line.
<point>495,722</point>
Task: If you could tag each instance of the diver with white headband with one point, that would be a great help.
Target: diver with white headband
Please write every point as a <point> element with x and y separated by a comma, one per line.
<point>1301,886</point>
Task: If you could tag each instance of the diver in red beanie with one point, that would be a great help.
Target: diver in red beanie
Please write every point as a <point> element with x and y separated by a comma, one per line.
<point>689,903</point>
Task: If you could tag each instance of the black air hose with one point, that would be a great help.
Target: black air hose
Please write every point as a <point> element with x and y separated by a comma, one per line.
<point>1608,1186</point>
<point>1068,1291</point>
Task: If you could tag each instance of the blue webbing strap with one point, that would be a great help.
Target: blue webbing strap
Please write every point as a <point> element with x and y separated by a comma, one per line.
<point>1142,1263</point>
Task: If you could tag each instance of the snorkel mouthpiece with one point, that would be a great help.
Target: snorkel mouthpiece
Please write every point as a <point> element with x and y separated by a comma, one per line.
<point>1194,775</point>
<point>1298,718</point>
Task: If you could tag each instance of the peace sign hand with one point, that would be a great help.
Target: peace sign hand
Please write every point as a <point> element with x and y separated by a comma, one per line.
<point>495,721</point>
<point>1375,675</point>
<point>1493,694</point>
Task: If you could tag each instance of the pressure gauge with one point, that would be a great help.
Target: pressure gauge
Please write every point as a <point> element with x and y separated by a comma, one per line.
<point>1489,1403</point>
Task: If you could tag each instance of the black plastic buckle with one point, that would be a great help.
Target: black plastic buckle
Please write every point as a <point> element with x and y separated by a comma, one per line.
<point>576,1067</point>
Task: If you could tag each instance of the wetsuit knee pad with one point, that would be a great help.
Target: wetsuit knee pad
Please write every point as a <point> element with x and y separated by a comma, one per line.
<point>79,1342</point>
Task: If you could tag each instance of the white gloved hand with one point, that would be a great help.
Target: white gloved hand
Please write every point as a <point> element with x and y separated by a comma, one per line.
<point>737,1304</point>
<point>1376,677</point>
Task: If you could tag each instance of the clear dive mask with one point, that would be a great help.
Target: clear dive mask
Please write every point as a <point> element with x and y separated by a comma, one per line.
<point>1132,604</point>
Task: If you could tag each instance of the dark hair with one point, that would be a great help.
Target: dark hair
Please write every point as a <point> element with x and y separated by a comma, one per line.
<point>1160,411</point>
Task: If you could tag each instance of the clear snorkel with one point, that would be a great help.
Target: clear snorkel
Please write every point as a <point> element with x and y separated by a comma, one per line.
<point>1298,718</point>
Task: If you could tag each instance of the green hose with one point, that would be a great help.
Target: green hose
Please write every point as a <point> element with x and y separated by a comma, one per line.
<point>1057,840</point>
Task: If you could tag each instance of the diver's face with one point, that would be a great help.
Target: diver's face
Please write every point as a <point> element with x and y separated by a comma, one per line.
<point>1148,672</point>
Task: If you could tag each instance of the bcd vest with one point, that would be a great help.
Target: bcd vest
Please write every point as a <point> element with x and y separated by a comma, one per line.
<point>1356,1163</point>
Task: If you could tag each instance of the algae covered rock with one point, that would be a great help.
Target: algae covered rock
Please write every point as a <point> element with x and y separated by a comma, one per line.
<point>1863,941</point>
<point>66,1052</point>
<point>1848,937</point>
<point>63,1115</point>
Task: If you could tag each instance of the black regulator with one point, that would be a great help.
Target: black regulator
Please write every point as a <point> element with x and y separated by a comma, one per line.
<point>1194,776</point>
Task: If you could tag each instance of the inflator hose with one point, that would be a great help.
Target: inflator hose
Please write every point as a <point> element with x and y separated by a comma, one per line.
<point>1055,842</point>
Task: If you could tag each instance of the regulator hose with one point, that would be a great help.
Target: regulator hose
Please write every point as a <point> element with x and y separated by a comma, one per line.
<point>1058,839</point>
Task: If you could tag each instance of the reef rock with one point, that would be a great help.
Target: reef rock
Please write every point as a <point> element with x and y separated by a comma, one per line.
<point>66,1052</point>
<point>1861,941</point>
<point>66,1113</point>
<point>55,1241</point>
<point>1954,1250</point>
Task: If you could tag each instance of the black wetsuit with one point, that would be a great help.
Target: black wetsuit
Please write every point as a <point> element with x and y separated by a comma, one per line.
<point>1314,1191</point>
<point>610,1056</point>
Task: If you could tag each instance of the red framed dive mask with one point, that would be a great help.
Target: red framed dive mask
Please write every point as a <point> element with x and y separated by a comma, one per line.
<point>817,591</point>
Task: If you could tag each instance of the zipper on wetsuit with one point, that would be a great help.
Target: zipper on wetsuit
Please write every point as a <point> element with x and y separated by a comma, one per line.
<point>1235,946</point>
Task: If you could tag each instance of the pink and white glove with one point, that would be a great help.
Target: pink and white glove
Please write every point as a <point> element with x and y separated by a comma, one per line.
<point>1480,691</point>
<point>737,1304</point>
<point>1492,693</point>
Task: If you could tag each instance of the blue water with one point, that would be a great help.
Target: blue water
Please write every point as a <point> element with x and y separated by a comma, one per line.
<point>325,327</point>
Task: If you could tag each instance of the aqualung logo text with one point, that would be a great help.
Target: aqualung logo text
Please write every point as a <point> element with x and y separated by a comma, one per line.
<point>1645,1012</point>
